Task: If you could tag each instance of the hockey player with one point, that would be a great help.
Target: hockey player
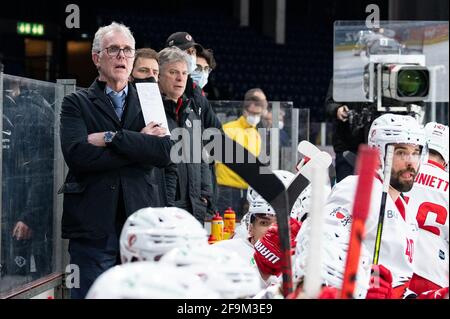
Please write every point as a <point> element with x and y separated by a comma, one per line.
<point>149,280</point>
<point>268,253</point>
<point>333,262</point>
<point>151,232</point>
<point>258,220</point>
<point>429,202</point>
<point>399,230</point>
<point>222,270</point>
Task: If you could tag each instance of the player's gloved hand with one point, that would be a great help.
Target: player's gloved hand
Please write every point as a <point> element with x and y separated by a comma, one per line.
<point>329,292</point>
<point>434,294</point>
<point>380,285</point>
<point>267,249</point>
<point>326,292</point>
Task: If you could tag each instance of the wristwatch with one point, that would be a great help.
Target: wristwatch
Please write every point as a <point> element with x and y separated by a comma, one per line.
<point>108,137</point>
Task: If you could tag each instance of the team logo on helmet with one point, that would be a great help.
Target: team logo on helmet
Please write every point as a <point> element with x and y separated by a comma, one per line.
<point>188,37</point>
<point>20,261</point>
<point>170,43</point>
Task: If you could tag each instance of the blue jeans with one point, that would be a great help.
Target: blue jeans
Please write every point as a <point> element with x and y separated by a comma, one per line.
<point>93,257</point>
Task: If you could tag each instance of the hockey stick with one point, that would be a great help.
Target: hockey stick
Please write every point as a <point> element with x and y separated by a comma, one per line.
<point>313,281</point>
<point>309,150</point>
<point>386,184</point>
<point>314,170</point>
<point>366,167</point>
<point>267,184</point>
<point>273,191</point>
<point>305,175</point>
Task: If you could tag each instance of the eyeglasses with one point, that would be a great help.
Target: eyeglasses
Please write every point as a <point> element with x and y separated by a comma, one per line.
<point>114,51</point>
<point>203,69</point>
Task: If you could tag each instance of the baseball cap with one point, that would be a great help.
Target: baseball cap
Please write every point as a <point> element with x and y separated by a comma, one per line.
<point>182,40</point>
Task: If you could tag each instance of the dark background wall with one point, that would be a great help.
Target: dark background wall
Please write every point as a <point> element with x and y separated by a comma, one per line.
<point>247,57</point>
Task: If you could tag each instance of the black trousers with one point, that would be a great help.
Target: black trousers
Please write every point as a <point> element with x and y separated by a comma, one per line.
<point>343,168</point>
<point>95,256</point>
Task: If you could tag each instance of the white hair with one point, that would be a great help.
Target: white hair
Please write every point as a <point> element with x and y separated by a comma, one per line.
<point>113,27</point>
<point>171,55</point>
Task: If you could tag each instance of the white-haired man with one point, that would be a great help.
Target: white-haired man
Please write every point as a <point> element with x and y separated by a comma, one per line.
<point>110,152</point>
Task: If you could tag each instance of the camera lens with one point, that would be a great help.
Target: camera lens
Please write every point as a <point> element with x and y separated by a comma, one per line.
<point>412,83</point>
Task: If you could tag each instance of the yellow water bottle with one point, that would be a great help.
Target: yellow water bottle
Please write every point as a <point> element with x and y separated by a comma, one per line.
<point>217,226</point>
<point>229,222</point>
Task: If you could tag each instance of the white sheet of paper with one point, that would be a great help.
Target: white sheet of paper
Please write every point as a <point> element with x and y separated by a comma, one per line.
<point>152,104</point>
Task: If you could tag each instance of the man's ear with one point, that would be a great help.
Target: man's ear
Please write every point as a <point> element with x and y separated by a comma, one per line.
<point>96,60</point>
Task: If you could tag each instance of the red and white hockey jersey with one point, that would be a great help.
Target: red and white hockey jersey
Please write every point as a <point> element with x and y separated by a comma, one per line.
<point>399,229</point>
<point>429,202</point>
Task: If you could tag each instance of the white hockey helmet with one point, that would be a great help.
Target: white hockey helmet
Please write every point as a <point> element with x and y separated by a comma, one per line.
<point>222,270</point>
<point>151,232</point>
<point>334,254</point>
<point>302,206</point>
<point>258,205</point>
<point>149,280</point>
<point>437,138</point>
<point>394,129</point>
<point>241,230</point>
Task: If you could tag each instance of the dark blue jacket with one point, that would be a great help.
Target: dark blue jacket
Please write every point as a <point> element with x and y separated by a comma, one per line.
<point>96,174</point>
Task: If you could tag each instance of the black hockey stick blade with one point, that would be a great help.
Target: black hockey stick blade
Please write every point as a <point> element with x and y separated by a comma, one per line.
<point>261,178</point>
<point>297,186</point>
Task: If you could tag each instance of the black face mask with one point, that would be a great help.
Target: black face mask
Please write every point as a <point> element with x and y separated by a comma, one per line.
<point>146,80</point>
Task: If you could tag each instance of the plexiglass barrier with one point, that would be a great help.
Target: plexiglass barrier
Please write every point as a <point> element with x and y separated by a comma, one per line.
<point>281,120</point>
<point>32,168</point>
<point>281,128</point>
<point>32,253</point>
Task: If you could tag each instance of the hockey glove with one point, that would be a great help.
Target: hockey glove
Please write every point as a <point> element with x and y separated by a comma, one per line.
<point>380,286</point>
<point>267,249</point>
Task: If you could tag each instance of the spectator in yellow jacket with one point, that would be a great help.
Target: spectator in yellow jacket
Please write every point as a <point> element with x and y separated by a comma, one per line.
<point>231,188</point>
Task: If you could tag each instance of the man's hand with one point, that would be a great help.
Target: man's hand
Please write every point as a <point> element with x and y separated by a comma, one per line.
<point>342,113</point>
<point>21,231</point>
<point>380,285</point>
<point>154,129</point>
<point>97,139</point>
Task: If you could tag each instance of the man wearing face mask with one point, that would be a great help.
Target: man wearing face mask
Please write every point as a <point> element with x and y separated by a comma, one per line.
<point>267,123</point>
<point>205,64</point>
<point>193,91</point>
<point>145,65</point>
<point>230,186</point>
<point>185,42</point>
